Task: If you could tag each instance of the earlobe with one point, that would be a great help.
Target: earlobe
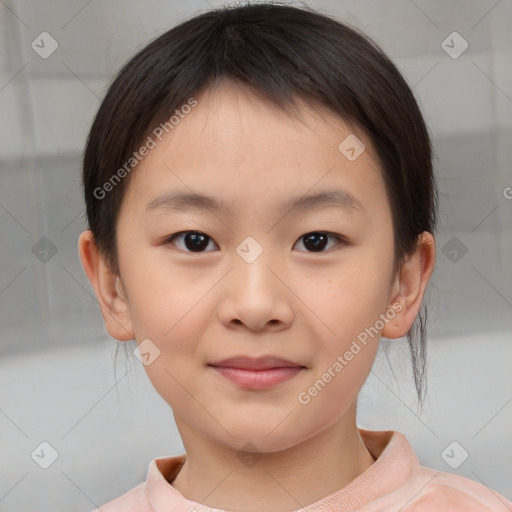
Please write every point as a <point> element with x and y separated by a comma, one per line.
<point>409,287</point>
<point>113,303</point>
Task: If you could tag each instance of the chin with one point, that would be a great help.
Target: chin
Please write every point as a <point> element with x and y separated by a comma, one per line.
<point>263,438</point>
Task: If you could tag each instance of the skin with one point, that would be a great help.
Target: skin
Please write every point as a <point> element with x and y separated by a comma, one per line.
<point>306,306</point>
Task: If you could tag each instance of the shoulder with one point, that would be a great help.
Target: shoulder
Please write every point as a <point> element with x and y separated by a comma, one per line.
<point>398,483</point>
<point>447,491</point>
<point>132,501</point>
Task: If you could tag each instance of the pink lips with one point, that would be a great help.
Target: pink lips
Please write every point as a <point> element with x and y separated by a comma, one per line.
<point>257,373</point>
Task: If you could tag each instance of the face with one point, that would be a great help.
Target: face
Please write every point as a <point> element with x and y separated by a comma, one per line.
<point>254,277</point>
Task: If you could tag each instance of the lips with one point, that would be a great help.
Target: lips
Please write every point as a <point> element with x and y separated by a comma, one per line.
<point>257,373</point>
<point>256,364</point>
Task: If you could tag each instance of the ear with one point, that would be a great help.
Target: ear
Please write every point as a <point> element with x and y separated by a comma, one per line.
<point>409,287</point>
<point>108,287</point>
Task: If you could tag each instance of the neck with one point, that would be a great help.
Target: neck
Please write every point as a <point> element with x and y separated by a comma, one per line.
<point>221,477</point>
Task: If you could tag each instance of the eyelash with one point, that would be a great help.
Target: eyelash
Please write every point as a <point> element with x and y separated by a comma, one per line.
<point>342,240</point>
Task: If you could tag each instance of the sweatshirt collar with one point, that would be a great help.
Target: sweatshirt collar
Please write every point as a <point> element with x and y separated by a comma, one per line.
<point>395,464</point>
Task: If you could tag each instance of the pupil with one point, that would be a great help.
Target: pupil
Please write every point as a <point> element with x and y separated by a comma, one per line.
<point>198,241</point>
<point>315,241</point>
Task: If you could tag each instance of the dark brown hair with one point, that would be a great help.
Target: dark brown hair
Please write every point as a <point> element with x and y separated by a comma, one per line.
<point>283,53</point>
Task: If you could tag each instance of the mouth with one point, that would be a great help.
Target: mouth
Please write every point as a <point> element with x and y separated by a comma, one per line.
<point>257,373</point>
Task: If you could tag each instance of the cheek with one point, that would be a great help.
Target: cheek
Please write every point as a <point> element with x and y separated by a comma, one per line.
<point>164,301</point>
<point>354,298</point>
<point>175,322</point>
<point>332,386</point>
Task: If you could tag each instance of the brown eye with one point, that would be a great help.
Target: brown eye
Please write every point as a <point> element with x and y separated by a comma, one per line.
<point>316,241</point>
<point>193,241</point>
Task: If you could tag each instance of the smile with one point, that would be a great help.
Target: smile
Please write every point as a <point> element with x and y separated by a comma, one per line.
<point>258,379</point>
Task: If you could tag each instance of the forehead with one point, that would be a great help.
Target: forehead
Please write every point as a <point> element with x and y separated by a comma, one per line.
<point>236,145</point>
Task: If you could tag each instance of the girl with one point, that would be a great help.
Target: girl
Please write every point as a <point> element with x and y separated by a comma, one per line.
<point>262,208</point>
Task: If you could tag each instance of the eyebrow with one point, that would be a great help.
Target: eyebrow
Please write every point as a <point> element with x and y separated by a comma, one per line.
<point>187,201</point>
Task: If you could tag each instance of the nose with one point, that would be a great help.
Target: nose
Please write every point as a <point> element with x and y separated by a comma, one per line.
<point>255,295</point>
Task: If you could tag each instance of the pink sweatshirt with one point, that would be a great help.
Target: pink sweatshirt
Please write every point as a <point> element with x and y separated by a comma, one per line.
<point>395,482</point>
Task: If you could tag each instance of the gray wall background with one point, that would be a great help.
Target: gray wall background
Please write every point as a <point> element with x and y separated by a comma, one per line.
<point>57,380</point>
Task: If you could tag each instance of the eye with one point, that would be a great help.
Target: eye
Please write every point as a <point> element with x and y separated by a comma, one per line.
<point>316,241</point>
<point>196,241</point>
